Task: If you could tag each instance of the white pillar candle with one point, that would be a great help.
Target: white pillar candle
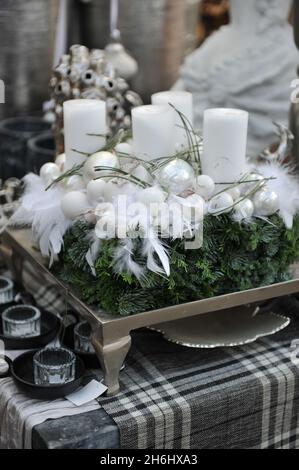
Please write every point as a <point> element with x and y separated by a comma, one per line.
<point>81,118</point>
<point>183,102</point>
<point>224,144</point>
<point>153,131</point>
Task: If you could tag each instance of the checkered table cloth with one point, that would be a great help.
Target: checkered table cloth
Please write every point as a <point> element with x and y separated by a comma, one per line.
<point>178,398</point>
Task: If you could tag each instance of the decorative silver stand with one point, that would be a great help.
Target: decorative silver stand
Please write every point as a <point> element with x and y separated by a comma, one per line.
<point>225,328</point>
<point>111,335</point>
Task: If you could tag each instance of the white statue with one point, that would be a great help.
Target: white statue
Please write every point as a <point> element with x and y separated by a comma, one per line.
<point>248,64</point>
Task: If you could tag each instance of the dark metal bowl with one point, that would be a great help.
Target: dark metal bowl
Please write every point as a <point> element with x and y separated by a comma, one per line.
<point>22,371</point>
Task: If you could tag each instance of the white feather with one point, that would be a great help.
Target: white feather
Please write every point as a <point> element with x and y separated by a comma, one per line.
<point>152,245</point>
<point>123,260</point>
<point>93,252</point>
<point>41,210</point>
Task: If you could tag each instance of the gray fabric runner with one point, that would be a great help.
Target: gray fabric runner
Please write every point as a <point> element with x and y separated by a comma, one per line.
<point>177,398</point>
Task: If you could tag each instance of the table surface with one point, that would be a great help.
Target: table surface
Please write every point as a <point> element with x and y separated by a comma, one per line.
<point>177,398</point>
<point>93,430</point>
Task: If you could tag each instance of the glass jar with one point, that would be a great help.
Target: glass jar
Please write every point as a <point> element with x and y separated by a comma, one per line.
<point>21,321</point>
<point>54,366</point>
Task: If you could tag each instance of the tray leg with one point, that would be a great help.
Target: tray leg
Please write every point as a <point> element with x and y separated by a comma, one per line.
<point>111,356</point>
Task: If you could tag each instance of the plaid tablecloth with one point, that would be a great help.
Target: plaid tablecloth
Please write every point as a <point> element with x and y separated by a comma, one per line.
<point>178,398</point>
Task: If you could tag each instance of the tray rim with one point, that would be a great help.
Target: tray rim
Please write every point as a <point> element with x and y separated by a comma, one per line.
<point>20,242</point>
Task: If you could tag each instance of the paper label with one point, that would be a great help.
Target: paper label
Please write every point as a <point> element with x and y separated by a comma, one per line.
<point>86,394</point>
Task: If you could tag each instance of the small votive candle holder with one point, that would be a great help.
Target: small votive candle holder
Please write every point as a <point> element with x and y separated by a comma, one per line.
<point>21,321</point>
<point>54,366</point>
<point>82,341</point>
<point>6,290</point>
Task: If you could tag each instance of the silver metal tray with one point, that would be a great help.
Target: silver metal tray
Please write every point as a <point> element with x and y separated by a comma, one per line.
<point>111,334</point>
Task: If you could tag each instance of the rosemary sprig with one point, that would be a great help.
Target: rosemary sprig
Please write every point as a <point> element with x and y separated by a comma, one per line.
<point>251,193</point>
<point>190,133</point>
<point>75,170</point>
<point>118,173</point>
<point>241,181</point>
<point>133,157</point>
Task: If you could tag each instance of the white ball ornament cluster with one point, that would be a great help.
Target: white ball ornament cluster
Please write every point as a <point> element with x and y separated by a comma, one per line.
<point>251,182</point>
<point>152,195</point>
<point>49,172</point>
<point>193,211</point>
<point>99,159</point>
<point>95,190</point>
<point>221,203</point>
<point>234,192</point>
<point>243,210</point>
<point>73,183</point>
<point>152,198</point>
<point>142,174</point>
<point>177,176</point>
<point>74,204</point>
<point>204,186</point>
<point>266,202</point>
<point>124,148</point>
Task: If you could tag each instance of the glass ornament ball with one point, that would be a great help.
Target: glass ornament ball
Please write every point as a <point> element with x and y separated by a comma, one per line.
<point>100,159</point>
<point>177,176</point>
<point>49,172</point>
<point>266,203</point>
<point>74,204</point>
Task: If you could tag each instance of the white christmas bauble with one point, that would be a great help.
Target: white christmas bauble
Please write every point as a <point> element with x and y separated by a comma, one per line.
<point>142,174</point>
<point>194,210</point>
<point>99,159</point>
<point>74,204</point>
<point>243,210</point>
<point>111,191</point>
<point>96,189</point>
<point>73,183</point>
<point>234,192</point>
<point>221,204</point>
<point>60,161</point>
<point>266,202</point>
<point>122,61</point>
<point>204,186</point>
<point>152,195</point>
<point>124,148</point>
<point>177,176</point>
<point>251,182</point>
<point>49,172</point>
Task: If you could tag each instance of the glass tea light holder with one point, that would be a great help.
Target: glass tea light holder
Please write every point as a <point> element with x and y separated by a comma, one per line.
<point>21,321</point>
<point>54,366</point>
<point>82,341</point>
<point>6,290</point>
